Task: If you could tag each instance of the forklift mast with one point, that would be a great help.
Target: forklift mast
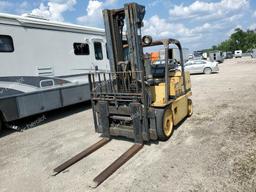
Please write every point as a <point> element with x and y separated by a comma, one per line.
<point>131,17</point>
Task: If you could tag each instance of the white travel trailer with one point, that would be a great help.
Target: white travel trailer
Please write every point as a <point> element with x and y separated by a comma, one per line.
<point>216,56</point>
<point>45,64</point>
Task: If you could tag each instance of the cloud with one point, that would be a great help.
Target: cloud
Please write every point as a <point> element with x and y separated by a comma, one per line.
<point>200,24</point>
<point>54,9</point>
<point>162,28</point>
<point>111,1</point>
<point>208,10</point>
<point>157,26</point>
<point>252,26</point>
<point>234,18</point>
<point>93,15</point>
<point>254,14</point>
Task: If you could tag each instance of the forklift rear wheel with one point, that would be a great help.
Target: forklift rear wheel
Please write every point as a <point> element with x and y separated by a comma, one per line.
<point>190,107</point>
<point>164,123</point>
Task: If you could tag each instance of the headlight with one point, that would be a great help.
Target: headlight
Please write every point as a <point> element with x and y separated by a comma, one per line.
<point>147,40</point>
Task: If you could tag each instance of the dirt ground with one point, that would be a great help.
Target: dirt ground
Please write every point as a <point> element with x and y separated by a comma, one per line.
<point>214,150</point>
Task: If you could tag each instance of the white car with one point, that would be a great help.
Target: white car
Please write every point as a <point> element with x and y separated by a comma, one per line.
<point>201,66</point>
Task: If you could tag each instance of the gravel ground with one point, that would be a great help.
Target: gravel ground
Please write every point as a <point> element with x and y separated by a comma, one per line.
<point>214,150</point>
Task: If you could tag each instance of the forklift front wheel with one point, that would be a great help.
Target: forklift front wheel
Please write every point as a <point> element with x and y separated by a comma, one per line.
<point>190,107</point>
<point>164,123</point>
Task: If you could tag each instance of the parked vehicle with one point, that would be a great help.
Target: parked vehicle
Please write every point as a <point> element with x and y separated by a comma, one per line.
<point>201,66</point>
<point>44,64</point>
<point>216,56</point>
<point>173,64</point>
<point>198,54</point>
<point>229,55</point>
<point>205,56</point>
<point>238,53</point>
<point>253,53</point>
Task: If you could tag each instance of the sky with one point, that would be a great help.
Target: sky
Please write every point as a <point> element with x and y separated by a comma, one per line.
<point>197,24</point>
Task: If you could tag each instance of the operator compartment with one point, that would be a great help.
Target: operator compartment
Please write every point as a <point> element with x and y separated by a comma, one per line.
<point>156,78</point>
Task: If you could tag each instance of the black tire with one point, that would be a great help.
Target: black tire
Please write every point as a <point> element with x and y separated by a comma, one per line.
<point>190,107</point>
<point>207,70</point>
<point>160,124</point>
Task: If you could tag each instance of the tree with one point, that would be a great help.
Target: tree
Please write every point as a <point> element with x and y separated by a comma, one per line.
<point>244,40</point>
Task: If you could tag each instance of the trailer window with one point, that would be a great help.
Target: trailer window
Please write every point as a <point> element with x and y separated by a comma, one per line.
<point>81,49</point>
<point>98,51</point>
<point>6,43</point>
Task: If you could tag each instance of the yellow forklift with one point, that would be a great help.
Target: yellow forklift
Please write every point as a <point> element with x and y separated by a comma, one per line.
<point>137,99</point>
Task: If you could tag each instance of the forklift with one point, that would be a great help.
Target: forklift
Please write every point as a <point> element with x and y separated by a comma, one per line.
<point>137,99</point>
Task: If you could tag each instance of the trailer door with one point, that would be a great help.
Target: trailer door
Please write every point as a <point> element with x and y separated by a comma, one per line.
<point>100,60</point>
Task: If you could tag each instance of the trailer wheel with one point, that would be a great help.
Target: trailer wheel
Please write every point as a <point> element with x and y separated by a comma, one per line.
<point>164,123</point>
<point>190,108</point>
